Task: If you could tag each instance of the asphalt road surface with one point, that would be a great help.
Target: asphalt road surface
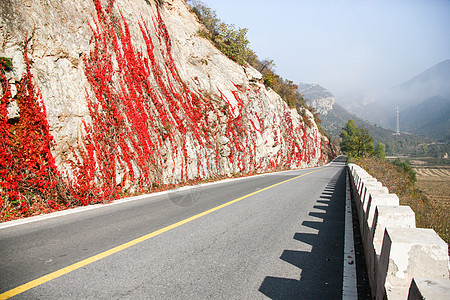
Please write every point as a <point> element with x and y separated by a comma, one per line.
<point>284,240</point>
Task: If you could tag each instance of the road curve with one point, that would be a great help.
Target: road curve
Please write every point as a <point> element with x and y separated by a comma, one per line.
<point>283,241</point>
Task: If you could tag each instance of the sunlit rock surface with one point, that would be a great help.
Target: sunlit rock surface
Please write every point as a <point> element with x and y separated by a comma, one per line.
<point>60,36</point>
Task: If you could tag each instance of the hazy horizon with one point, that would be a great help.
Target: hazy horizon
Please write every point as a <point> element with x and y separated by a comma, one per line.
<point>344,45</point>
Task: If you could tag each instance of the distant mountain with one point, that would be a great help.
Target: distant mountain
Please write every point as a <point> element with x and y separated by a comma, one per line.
<point>429,118</point>
<point>332,115</point>
<point>317,97</point>
<point>379,107</point>
<point>334,119</point>
<point>434,81</point>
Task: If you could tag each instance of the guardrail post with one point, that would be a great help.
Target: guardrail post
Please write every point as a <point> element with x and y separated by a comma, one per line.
<point>385,216</point>
<point>425,288</point>
<point>396,251</point>
<point>375,199</point>
<point>408,253</point>
<point>369,191</point>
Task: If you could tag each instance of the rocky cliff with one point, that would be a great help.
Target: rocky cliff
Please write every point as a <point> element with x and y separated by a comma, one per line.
<point>134,99</point>
<point>317,97</point>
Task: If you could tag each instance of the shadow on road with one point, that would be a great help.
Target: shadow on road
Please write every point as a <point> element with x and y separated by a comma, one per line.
<point>321,269</point>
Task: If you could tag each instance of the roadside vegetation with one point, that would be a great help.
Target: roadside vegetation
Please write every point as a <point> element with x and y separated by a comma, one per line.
<point>398,176</point>
<point>406,167</point>
<point>357,142</point>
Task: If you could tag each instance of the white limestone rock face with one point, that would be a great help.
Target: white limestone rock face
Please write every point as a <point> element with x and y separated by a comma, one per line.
<point>317,97</point>
<point>60,38</point>
<point>198,61</point>
<point>59,35</point>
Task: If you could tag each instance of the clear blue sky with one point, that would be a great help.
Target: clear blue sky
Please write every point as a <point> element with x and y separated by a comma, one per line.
<point>344,45</point>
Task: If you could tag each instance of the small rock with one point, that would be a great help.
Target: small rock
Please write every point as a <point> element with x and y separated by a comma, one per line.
<point>225,151</point>
<point>223,140</point>
<point>13,110</point>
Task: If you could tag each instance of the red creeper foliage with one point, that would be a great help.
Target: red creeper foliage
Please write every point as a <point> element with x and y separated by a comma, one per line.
<point>148,108</point>
<point>28,172</point>
<point>147,126</point>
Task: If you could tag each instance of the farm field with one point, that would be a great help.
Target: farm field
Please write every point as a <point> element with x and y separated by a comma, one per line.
<point>433,181</point>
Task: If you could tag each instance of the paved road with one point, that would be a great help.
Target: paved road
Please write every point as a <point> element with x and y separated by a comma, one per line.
<point>280,243</point>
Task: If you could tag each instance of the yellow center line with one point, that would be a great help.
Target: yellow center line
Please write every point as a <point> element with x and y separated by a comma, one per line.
<point>34,283</point>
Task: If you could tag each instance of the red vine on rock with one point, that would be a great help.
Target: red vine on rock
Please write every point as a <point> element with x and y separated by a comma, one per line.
<point>146,127</point>
<point>145,110</point>
<point>28,174</point>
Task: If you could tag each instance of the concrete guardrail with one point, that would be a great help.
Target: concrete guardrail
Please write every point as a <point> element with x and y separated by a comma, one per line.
<point>403,262</point>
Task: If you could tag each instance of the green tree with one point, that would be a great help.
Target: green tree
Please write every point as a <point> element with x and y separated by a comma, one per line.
<point>365,146</point>
<point>380,150</point>
<point>349,137</point>
<point>206,16</point>
<point>267,63</point>
<point>356,141</point>
<point>233,42</point>
<point>230,41</point>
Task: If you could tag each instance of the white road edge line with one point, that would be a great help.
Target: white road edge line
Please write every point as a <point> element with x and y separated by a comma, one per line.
<point>349,289</point>
<point>134,198</point>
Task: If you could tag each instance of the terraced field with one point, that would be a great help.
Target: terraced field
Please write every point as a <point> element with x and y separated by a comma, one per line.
<point>434,181</point>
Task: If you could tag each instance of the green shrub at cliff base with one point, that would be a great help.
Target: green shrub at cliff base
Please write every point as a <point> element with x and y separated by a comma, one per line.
<point>356,141</point>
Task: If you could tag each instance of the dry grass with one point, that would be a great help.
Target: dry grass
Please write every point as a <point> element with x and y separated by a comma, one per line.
<point>426,198</point>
